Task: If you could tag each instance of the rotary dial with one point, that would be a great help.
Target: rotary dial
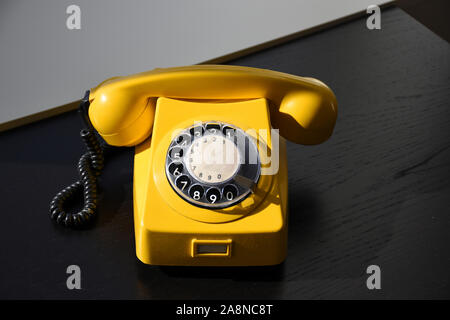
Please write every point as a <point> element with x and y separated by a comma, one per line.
<point>206,163</point>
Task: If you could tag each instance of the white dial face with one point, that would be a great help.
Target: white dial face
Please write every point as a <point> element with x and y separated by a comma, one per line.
<point>213,159</point>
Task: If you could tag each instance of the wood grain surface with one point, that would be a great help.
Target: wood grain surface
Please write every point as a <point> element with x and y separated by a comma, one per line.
<point>378,192</point>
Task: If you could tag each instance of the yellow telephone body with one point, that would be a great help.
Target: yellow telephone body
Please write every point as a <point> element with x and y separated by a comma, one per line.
<point>150,109</point>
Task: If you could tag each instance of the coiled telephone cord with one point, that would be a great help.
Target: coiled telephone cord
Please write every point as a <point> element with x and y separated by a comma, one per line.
<point>90,166</point>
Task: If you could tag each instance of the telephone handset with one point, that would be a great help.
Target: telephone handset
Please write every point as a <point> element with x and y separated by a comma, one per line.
<point>205,188</point>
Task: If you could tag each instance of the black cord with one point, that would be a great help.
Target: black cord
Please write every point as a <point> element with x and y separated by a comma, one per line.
<point>90,166</point>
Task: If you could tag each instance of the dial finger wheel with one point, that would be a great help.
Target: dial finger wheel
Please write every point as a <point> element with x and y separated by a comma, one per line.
<point>206,162</point>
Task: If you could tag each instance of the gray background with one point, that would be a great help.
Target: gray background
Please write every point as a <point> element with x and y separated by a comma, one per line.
<point>44,65</point>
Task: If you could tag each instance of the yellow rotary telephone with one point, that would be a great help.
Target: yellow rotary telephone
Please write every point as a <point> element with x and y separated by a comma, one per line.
<point>210,174</point>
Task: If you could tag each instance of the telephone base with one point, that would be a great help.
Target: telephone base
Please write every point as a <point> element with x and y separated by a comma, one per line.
<point>171,231</point>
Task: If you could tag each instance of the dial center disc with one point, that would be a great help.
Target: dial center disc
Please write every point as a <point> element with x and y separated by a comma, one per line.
<point>213,159</point>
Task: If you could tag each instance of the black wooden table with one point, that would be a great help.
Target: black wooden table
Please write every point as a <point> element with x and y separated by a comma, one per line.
<point>377,193</point>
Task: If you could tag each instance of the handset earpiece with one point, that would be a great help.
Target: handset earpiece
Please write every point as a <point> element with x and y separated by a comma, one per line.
<point>306,117</point>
